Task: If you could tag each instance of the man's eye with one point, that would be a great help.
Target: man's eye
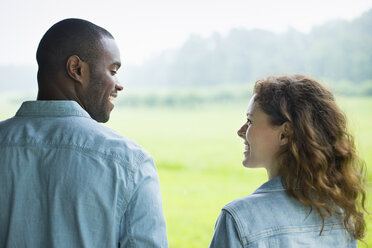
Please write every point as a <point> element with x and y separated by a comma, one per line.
<point>114,72</point>
<point>249,122</point>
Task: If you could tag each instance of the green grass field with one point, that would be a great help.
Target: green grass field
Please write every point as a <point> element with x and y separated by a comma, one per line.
<point>198,156</point>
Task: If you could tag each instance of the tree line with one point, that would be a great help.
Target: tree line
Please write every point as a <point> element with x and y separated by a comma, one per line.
<point>338,50</point>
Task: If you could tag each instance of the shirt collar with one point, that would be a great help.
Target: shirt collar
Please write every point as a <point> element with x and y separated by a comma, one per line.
<point>51,108</point>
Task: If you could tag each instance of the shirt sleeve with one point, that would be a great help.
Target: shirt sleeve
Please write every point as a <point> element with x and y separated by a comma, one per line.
<point>143,224</point>
<point>225,232</point>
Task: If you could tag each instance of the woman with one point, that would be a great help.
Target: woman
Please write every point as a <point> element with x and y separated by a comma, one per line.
<point>314,196</point>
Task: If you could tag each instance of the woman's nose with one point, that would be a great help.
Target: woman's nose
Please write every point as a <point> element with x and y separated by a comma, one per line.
<point>242,130</point>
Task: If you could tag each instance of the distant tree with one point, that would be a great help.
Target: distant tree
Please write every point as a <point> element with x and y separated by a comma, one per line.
<point>336,50</point>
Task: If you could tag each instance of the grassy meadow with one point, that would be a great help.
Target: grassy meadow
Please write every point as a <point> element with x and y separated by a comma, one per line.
<point>198,155</point>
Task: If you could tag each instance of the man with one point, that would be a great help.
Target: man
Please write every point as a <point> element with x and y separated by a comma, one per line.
<point>66,180</point>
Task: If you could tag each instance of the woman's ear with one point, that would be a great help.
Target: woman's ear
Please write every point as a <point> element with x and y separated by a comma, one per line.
<point>77,69</point>
<point>284,133</point>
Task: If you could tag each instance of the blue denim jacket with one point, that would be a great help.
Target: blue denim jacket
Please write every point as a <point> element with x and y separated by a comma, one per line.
<point>68,181</point>
<point>269,217</point>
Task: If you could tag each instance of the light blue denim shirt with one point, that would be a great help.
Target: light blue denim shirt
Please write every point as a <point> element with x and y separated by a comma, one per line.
<point>68,181</point>
<point>269,217</point>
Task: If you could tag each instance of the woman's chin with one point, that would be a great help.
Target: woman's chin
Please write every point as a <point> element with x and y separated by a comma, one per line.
<point>246,163</point>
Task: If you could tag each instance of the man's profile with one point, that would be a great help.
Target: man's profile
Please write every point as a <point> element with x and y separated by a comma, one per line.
<point>66,180</point>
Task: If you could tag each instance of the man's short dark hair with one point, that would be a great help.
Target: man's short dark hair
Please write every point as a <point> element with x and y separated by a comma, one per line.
<point>70,37</point>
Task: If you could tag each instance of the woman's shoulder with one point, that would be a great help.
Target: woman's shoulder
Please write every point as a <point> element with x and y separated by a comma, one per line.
<point>266,195</point>
<point>270,209</point>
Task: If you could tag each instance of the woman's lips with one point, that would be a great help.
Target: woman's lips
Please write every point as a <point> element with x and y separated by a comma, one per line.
<point>247,148</point>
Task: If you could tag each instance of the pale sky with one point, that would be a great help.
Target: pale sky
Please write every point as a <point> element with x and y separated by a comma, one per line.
<point>146,27</point>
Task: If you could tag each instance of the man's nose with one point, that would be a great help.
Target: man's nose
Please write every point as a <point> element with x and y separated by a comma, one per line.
<point>119,87</point>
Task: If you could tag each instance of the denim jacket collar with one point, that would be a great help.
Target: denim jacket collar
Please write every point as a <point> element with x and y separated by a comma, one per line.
<point>272,185</point>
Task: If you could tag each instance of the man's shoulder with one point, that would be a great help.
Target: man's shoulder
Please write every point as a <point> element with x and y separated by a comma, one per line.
<point>117,146</point>
<point>107,142</point>
<point>73,133</point>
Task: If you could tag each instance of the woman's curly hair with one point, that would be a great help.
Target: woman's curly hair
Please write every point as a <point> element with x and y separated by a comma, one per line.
<point>319,164</point>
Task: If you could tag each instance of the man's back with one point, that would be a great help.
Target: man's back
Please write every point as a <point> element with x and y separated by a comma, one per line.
<point>67,181</point>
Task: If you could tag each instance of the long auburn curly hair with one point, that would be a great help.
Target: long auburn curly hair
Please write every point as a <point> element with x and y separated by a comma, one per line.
<point>319,164</point>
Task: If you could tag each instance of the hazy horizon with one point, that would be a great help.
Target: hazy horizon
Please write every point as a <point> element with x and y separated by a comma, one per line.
<point>145,28</point>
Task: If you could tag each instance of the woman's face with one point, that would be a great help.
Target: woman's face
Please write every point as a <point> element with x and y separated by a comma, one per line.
<point>261,139</point>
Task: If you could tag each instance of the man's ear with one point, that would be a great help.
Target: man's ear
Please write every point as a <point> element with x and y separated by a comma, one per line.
<point>285,130</point>
<point>77,69</point>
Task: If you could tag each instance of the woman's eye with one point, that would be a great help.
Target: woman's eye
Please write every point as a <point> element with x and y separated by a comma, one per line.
<point>114,72</point>
<point>249,122</point>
